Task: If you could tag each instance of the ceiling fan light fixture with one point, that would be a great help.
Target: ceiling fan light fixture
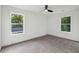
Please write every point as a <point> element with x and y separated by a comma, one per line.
<point>46,10</point>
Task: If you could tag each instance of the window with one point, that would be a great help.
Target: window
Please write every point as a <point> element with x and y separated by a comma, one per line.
<point>16,23</point>
<point>66,24</point>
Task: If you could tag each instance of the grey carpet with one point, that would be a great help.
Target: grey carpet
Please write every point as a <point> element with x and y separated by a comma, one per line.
<point>45,44</point>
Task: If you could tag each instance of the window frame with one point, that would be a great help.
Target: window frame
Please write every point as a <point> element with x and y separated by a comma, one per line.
<point>66,24</point>
<point>11,22</point>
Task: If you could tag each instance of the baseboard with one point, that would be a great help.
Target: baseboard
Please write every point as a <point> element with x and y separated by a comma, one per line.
<point>63,38</point>
<point>23,41</point>
<point>39,37</point>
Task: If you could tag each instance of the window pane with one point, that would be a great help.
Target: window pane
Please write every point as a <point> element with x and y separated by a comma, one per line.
<point>65,28</point>
<point>17,28</point>
<point>66,20</point>
<point>17,23</point>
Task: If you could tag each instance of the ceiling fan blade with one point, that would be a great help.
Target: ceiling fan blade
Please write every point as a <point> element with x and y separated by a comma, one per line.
<point>46,6</point>
<point>50,11</point>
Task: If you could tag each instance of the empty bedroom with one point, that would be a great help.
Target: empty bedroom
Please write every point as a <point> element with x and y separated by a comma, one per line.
<point>39,28</point>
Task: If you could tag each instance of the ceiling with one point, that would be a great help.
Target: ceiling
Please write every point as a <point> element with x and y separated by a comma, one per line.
<point>40,8</point>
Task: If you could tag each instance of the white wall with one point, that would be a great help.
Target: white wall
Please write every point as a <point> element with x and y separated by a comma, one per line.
<point>35,26</point>
<point>0,27</point>
<point>54,25</point>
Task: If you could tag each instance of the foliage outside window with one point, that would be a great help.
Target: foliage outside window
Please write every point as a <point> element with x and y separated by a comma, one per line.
<point>16,23</point>
<point>66,24</point>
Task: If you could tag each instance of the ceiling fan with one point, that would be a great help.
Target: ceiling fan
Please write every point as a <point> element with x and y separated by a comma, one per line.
<point>48,10</point>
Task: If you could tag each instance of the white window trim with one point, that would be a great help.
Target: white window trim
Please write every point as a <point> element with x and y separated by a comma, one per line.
<point>23,23</point>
